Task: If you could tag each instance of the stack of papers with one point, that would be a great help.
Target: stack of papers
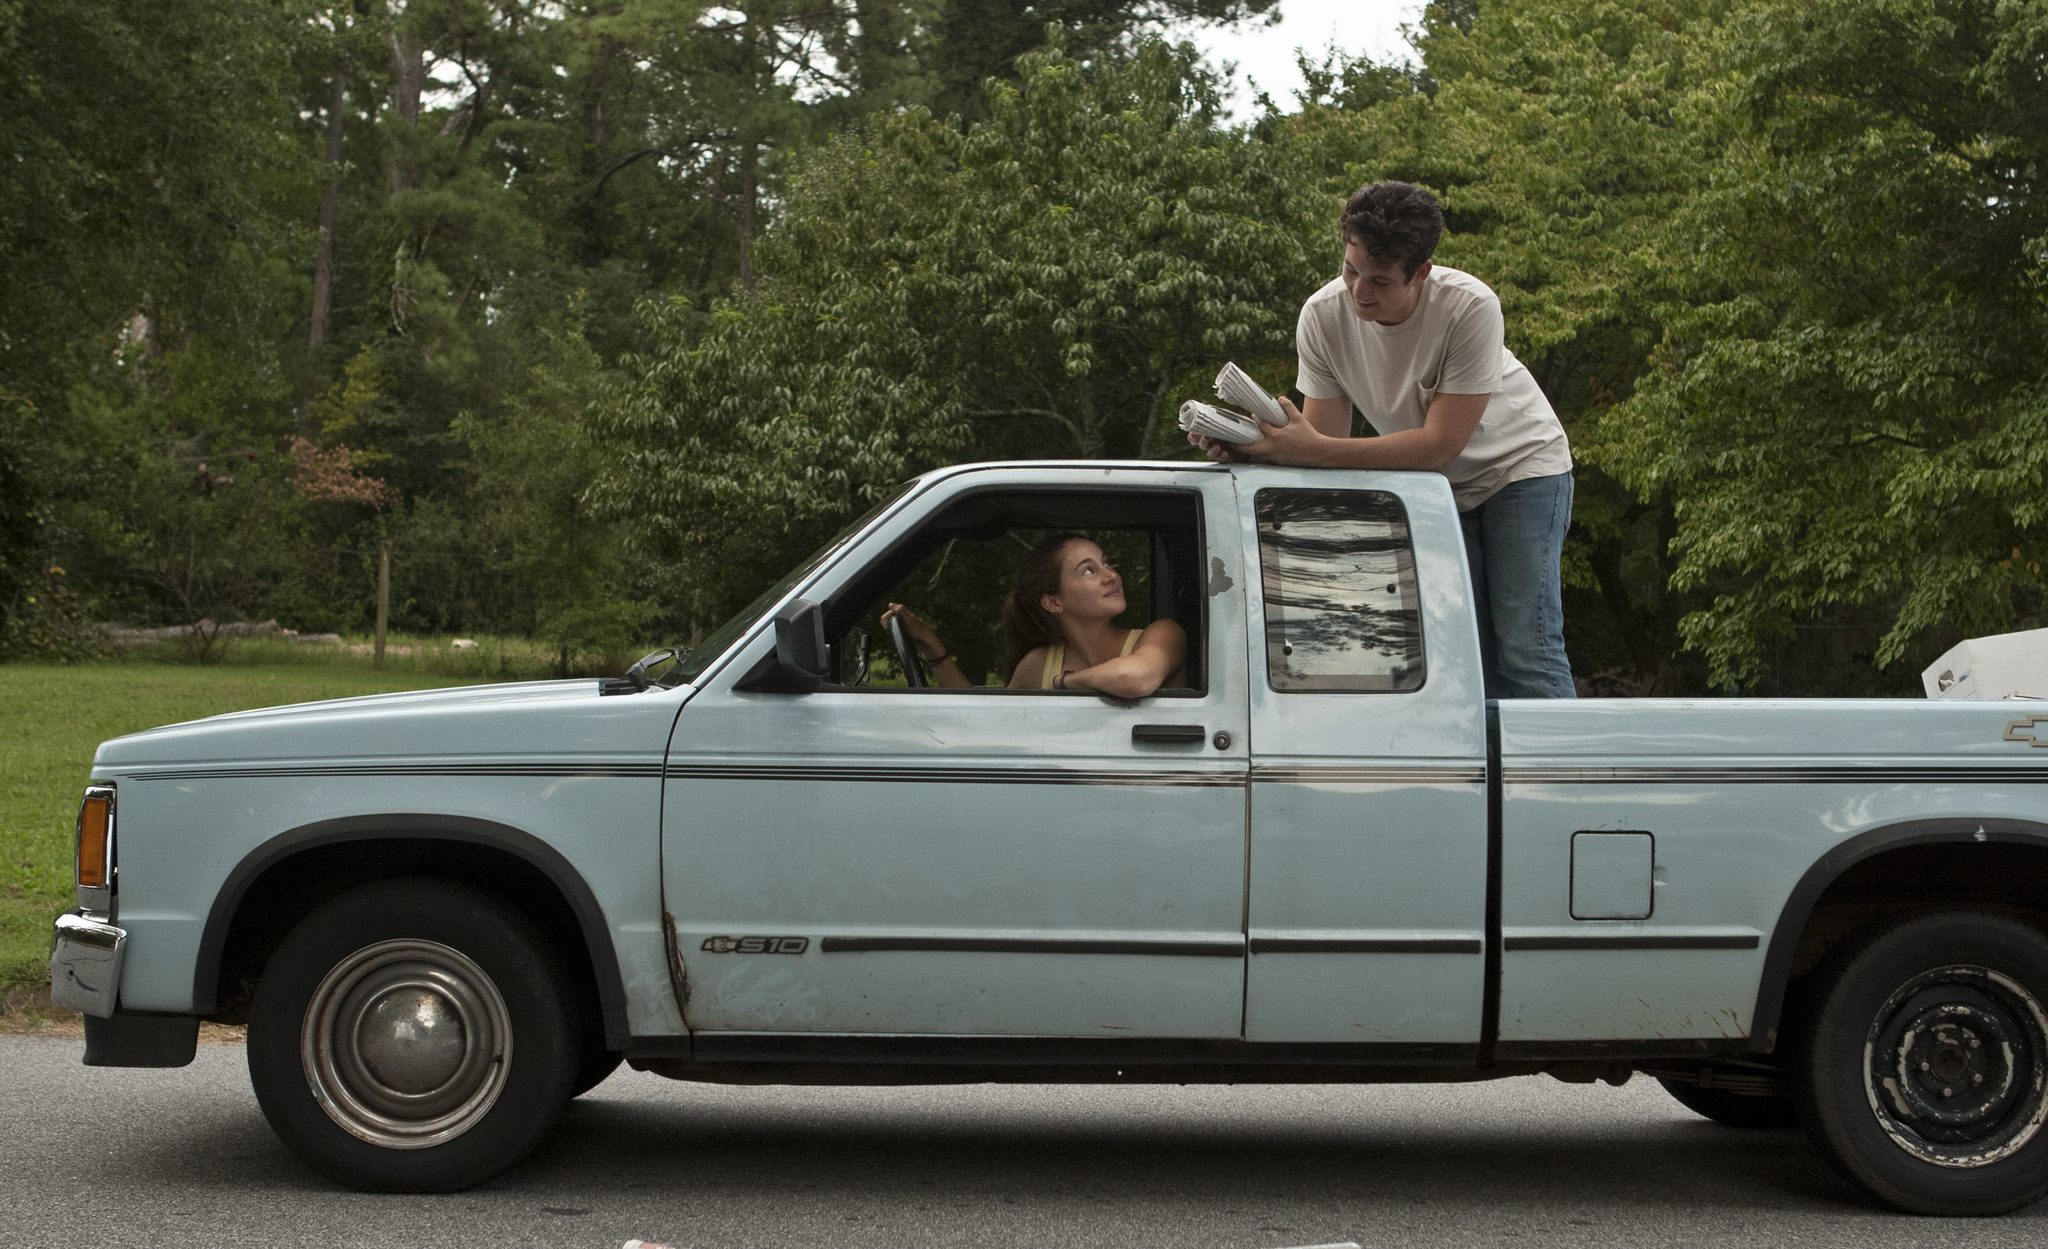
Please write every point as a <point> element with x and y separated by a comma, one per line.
<point>1197,417</point>
<point>1232,386</point>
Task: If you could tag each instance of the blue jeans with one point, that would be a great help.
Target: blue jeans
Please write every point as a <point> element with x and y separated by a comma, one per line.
<point>1513,543</point>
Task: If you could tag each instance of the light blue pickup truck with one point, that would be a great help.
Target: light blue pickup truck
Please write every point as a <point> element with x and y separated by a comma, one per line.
<point>1328,858</point>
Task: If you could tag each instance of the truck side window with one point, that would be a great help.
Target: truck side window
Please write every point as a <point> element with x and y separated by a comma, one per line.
<point>957,567</point>
<point>1343,614</point>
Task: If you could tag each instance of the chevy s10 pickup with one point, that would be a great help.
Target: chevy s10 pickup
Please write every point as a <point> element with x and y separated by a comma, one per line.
<point>791,859</point>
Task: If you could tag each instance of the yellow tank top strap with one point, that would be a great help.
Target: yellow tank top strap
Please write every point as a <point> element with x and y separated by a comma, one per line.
<point>1055,659</point>
<point>1131,641</point>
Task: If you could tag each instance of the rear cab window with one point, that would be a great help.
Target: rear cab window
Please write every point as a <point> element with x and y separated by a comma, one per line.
<point>1343,610</point>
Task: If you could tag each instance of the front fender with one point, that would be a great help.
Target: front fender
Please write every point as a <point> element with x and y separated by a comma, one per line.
<point>548,861</point>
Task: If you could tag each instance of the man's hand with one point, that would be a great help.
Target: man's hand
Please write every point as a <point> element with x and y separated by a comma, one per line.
<point>1216,449</point>
<point>1302,442</point>
<point>1298,443</point>
<point>1320,439</point>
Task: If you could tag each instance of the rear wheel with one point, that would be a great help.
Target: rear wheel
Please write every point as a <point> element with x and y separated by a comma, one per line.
<point>1923,1075</point>
<point>1735,1110</point>
<point>412,1036</point>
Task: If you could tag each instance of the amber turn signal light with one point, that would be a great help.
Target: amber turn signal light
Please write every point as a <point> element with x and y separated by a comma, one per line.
<point>94,827</point>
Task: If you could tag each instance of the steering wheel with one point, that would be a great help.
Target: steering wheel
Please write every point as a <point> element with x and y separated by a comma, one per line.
<point>906,654</point>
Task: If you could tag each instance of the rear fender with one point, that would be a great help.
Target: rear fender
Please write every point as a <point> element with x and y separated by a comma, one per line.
<point>1814,884</point>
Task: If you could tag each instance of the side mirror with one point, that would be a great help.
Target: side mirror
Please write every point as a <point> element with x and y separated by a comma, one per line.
<point>801,659</point>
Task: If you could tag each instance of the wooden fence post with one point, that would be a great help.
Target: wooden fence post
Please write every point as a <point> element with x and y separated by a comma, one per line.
<point>383,594</point>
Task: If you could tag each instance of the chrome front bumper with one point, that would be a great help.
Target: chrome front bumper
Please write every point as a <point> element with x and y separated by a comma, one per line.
<point>85,964</point>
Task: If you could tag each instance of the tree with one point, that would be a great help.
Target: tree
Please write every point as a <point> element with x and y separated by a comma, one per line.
<point>215,216</point>
<point>1562,136</point>
<point>1050,281</point>
<point>967,43</point>
<point>1849,401</point>
<point>141,180</point>
<point>561,565</point>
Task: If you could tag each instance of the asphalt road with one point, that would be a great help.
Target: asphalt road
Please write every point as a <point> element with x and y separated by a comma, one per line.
<point>147,1158</point>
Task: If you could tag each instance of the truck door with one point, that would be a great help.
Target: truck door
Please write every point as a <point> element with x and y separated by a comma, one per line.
<point>975,862</point>
<point>1366,917</point>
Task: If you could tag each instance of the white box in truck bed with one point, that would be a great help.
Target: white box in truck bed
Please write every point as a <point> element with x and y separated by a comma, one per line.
<point>2005,665</point>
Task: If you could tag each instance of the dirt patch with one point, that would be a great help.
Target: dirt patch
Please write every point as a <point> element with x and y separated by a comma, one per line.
<point>30,1012</point>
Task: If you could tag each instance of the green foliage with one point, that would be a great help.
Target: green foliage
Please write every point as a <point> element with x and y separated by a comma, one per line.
<point>563,565</point>
<point>970,42</point>
<point>213,537</point>
<point>1048,282</point>
<point>142,167</point>
<point>1562,136</point>
<point>1351,84</point>
<point>227,227</point>
<point>1849,401</point>
<point>348,413</point>
<point>142,177</point>
<point>1778,264</point>
<point>49,619</point>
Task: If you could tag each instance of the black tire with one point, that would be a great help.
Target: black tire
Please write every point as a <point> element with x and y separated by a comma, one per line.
<point>1922,1071</point>
<point>596,1064</point>
<point>413,1036</point>
<point>1735,1110</point>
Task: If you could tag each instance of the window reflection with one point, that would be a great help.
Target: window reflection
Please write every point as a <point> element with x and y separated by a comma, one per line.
<point>1343,613</point>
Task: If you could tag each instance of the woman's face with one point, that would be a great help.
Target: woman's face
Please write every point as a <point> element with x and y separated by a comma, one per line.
<point>1089,587</point>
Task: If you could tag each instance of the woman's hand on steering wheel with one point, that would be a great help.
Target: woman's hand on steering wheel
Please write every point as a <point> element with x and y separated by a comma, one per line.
<point>912,632</point>
<point>927,642</point>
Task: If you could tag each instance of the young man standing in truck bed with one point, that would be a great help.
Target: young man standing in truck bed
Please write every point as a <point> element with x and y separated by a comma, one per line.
<point>1420,350</point>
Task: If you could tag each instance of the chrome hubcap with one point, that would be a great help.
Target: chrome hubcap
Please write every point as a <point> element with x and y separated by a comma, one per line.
<point>1956,1067</point>
<point>412,1040</point>
<point>406,1043</point>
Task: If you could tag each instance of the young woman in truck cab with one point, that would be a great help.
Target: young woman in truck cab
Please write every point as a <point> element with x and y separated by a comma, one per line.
<point>1057,630</point>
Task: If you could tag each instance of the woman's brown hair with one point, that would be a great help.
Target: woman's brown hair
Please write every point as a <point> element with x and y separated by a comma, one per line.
<point>1026,624</point>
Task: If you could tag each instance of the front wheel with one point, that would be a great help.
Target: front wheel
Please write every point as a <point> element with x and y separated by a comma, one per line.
<point>412,1036</point>
<point>594,1069</point>
<point>1923,1076</point>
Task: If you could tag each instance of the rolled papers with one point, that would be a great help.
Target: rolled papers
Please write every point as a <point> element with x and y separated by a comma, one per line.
<point>1233,386</point>
<point>1210,421</point>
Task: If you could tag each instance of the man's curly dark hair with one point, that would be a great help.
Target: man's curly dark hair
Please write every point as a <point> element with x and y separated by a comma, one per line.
<point>1394,221</point>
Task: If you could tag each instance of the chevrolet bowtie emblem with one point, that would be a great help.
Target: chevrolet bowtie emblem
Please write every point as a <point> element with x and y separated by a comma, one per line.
<point>2013,733</point>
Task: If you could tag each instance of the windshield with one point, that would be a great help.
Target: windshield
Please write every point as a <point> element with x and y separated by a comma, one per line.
<point>725,635</point>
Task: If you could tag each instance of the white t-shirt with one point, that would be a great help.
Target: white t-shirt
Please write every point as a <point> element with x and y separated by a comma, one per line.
<point>1453,343</point>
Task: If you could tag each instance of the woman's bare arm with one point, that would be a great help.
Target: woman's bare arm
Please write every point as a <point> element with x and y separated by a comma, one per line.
<point>946,671</point>
<point>1160,653</point>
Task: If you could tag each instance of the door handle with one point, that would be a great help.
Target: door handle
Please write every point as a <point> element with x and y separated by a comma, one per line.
<point>1169,734</point>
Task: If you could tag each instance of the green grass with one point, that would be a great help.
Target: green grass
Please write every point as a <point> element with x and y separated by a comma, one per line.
<point>52,718</point>
<point>406,655</point>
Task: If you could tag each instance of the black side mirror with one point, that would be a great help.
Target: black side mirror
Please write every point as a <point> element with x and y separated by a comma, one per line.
<point>801,660</point>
